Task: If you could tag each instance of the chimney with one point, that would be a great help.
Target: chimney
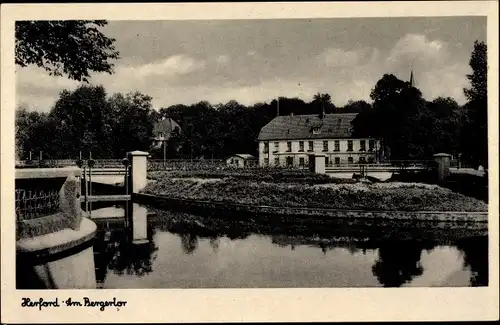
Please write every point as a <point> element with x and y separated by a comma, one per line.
<point>291,114</point>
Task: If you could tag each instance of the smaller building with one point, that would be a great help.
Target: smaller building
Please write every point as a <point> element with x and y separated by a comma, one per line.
<point>163,130</point>
<point>241,160</point>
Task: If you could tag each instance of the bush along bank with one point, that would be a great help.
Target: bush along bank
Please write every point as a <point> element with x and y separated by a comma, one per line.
<point>359,196</point>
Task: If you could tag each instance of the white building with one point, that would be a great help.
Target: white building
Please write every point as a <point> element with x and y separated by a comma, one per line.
<point>288,140</point>
<point>241,160</point>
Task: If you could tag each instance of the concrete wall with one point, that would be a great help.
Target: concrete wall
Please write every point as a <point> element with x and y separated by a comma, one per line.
<point>55,251</point>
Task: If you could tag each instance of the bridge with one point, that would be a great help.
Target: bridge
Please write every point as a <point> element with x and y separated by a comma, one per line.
<point>381,171</point>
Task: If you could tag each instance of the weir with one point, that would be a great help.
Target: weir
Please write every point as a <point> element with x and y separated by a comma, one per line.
<point>54,237</point>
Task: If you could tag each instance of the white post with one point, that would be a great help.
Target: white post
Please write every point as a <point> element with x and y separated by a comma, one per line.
<point>138,169</point>
<point>139,224</point>
<point>319,167</point>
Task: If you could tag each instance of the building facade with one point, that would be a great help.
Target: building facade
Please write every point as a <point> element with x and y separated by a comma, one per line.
<point>289,140</point>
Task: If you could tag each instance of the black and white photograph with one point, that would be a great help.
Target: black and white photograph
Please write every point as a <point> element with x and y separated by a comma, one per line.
<point>319,153</point>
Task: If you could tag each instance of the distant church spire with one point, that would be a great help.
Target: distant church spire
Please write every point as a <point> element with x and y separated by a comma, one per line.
<point>412,80</point>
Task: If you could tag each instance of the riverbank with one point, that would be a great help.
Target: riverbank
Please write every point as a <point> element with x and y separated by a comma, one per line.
<point>392,196</point>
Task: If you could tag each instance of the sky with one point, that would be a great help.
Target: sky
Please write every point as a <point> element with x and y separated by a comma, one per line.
<point>184,62</point>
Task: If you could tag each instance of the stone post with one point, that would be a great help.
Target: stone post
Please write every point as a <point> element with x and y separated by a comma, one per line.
<point>443,165</point>
<point>138,170</point>
<point>317,163</point>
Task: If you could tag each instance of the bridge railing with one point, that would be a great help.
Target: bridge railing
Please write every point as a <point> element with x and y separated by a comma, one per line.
<point>59,163</point>
<point>402,164</point>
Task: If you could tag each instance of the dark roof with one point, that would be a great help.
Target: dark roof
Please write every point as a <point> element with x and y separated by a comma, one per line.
<point>294,127</point>
<point>165,126</point>
<point>245,156</point>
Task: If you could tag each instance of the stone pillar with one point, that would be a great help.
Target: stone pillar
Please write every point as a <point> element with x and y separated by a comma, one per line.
<point>138,170</point>
<point>317,163</point>
<point>443,165</point>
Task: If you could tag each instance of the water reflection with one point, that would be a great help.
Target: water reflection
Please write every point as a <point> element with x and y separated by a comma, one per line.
<point>189,243</point>
<point>398,263</point>
<point>475,253</point>
<point>124,245</point>
<point>258,256</point>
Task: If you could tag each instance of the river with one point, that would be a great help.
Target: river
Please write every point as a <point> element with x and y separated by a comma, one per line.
<point>166,249</point>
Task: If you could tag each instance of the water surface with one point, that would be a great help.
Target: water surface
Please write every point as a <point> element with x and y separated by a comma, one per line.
<point>177,250</point>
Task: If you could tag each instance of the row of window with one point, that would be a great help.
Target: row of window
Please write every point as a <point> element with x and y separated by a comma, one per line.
<point>362,146</point>
<point>302,161</point>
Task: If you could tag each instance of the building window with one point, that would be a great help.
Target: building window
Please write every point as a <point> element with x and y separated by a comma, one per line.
<point>362,160</point>
<point>337,145</point>
<point>326,161</point>
<point>276,161</point>
<point>266,147</point>
<point>161,135</point>
<point>325,145</point>
<point>349,145</point>
<point>302,162</point>
<point>266,161</point>
<point>288,146</point>
<point>276,146</point>
<point>362,145</point>
<point>311,146</point>
<point>371,145</point>
<point>301,146</point>
<point>337,160</point>
<point>350,160</point>
<point>289,161</point>
<point>370,160</point>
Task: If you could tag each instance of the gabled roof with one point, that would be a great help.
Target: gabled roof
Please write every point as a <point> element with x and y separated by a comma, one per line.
<point>245,156</point>
<point>295,127</point>
<point>165,126</point>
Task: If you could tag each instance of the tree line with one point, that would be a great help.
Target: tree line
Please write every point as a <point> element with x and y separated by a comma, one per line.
<point>88,120</point>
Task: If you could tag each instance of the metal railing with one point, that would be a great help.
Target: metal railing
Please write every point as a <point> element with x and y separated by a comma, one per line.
<point>46,200</point>
<point>32,204</point>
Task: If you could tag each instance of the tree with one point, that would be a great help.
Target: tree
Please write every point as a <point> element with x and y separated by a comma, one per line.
<point>133,123</point>
<point>70,47</point>
<point>444,123</point>
<point>82,119</point>
<point>395,117</point>
<point>30,132</point>
<point>475,136</point>
<point>322,103</point>
<point>354,107</point>
<point>478,78</point>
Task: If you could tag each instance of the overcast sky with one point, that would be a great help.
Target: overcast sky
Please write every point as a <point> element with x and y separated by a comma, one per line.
<point>182,62</point>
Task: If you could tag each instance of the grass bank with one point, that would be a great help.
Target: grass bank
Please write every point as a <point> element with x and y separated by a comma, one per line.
<point>315,192</point>
<point>269,175</point>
